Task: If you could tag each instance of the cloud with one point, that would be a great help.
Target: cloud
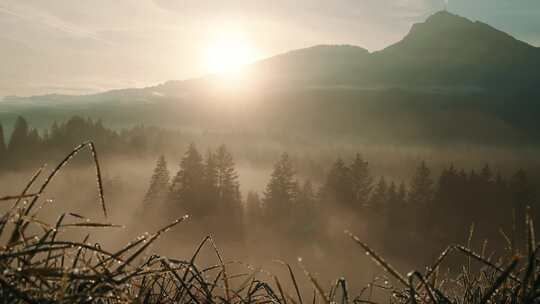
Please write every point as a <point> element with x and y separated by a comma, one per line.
<point>29,17</point>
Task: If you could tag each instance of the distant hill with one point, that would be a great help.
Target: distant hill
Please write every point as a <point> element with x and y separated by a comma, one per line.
<point>450,79</point>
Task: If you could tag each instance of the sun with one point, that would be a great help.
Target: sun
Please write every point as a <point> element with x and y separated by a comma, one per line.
<point>228,54</point>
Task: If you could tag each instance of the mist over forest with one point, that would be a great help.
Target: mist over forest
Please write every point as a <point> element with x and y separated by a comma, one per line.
<point>324,158</point>
<point>293,198</point>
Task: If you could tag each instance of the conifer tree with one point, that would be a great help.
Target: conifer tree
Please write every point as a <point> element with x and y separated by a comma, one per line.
<point>210,186</point>
<point>306,194</point>
<point>398,210</point>
<point>306,212</point>
<point>33,142</point>
<point>361,179</point>
<point>282,189</point>
<point>379,199</point>
<point>187,185</point>
<point>338,187</point>
<point>159,184</point>
<point>227,179</point>
<point>228,192</point>
<point>450,203</point>
<point>18,149</point>
<point>19,136</point>
<point>448,188</point>
<point>421,191</point>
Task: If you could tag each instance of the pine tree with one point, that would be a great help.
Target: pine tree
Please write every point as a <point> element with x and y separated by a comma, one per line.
<point>210,185</point>
<point>281,190</point>
<point>450,204</point>
<point>379,199</point>
<point>362,182</point>
<point>19,136</point>
<point>338,187</point>
<point>421,191</point>
<point>159,184</point>
<point>33,144</point>
<point>306,194</point>
<point>397,211</point>
<point>227,179</point>
<point>448,190</point>
<point>187,186</point>
<point>305,212</point>
<point>18,144</point>
<point>228,192</point>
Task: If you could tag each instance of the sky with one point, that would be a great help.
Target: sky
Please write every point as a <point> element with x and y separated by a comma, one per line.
<point>79,47</point>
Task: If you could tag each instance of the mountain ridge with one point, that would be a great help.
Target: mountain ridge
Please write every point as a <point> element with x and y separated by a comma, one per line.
<point>439,34</point>
<point>448,80</point>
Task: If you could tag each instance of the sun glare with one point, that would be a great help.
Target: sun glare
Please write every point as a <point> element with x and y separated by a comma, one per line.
<point>228,54</point>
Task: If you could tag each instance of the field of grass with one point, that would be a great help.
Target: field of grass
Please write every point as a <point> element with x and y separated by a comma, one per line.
<point>38,264</point>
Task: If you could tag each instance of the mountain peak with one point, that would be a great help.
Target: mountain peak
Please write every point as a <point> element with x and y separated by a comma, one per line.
<point>446,17</point>
<point>444,23</point>
<point>448,32</point>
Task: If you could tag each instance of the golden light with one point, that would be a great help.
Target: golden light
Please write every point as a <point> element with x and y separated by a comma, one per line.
<point>228,54</point>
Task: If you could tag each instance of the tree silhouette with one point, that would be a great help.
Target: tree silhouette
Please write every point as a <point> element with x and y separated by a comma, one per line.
<point>227,179</point>
<point>306,212</point>
<point>362,182</point>
<point>187,185</point>
<point>338,187</point>
<point>19,135</point>
<point>228,192</point>
<point>379,199</point>
<point>34,141</point>
<point>397,209</point>
<point>18,143</point>
<point>282,189</point>
<point>421,190</point>
<point>159,185</point>
<point>210,193</point>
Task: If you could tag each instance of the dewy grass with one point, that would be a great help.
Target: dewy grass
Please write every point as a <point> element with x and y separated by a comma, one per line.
<point>41,268</point>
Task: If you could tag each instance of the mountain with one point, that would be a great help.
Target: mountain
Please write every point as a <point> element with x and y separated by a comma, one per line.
<point>448,50</point>
<point>447,70</point>
<point>444,51</point>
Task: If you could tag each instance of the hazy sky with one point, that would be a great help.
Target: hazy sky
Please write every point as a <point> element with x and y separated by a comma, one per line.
<point>69,46</point>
